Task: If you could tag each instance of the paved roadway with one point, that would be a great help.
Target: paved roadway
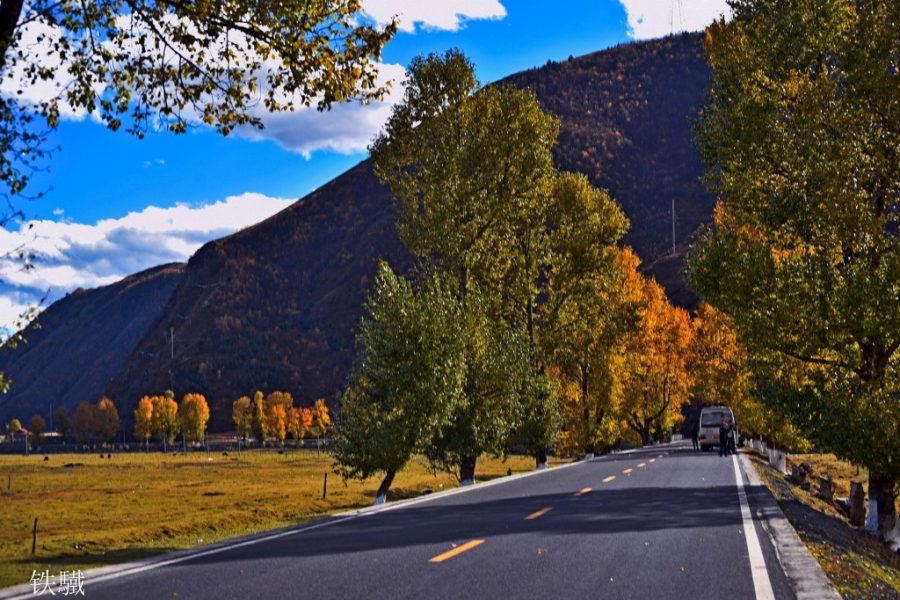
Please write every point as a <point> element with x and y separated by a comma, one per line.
<point>657,523</point>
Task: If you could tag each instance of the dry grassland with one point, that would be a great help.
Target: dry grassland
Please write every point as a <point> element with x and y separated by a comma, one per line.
<point>94,511</point>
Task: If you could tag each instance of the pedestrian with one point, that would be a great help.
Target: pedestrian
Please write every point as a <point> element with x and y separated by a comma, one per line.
<point>723,437</point>
<point>695,436</point>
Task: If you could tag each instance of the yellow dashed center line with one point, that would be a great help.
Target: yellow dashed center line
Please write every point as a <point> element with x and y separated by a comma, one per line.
<point>608,479</point>
<point>627,471</point>
<point>641,465</point>
<point>653,460</point>
<point>582,492</point>
<point>537,514</point>
<point>455,551</point>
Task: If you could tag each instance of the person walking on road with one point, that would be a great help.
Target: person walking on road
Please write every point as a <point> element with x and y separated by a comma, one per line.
<point>695,436</point>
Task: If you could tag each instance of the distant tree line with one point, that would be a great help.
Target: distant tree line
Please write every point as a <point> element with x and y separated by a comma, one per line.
<point>162,418</point>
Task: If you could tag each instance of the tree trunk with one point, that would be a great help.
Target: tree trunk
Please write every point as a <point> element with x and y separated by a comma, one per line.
<point>10,11</point>
<point>381,494</point>
<point>883,510</point>
<point>586,416</point>
<point>541,459</point>
<point>467,470</point>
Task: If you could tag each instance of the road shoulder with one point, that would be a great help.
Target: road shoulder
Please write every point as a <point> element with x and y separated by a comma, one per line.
<point>803,572</point>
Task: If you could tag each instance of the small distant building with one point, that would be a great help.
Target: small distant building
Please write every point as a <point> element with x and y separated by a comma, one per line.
<point>20,434</point>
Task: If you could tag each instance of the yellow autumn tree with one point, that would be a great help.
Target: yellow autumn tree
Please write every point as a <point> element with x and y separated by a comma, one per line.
<point>584,336</point>
<point>106,421</point>
<point>143,417</point>
<point>278,406</point>
<point>299,422</point>
<point>321,419</point>
<point>276,423</point>
<point>654,371</point>
<point>720,374</point>
<point>193,415</point>
<point>164,421</point>
<point>284,399</point>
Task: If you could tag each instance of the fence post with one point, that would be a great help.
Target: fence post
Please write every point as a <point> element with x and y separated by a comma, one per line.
<point>34,537</point>
<point>325,486</point>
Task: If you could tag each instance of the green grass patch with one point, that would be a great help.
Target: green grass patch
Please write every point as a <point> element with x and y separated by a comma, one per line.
<point>94,512</point>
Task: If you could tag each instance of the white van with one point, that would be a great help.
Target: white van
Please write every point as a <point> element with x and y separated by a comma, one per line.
<point>710,420</point>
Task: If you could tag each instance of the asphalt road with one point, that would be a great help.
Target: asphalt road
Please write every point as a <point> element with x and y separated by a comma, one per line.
<point>657,523</point>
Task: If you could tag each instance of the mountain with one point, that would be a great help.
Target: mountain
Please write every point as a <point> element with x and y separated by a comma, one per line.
<point>626,124</point>
<point>80,343</point>
<point>272,307</point>
<point>276,305</point>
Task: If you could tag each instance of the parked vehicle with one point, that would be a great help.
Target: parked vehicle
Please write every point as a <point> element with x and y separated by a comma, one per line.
<point>710,420</point>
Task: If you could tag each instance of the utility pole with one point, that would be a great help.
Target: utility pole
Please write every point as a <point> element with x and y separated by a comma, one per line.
<point>172,339</point>
<point>673,226</point>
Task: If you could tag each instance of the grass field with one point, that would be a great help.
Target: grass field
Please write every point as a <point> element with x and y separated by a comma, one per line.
<point>94,511</point>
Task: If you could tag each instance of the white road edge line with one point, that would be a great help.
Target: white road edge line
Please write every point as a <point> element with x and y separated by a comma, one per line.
<point>761,582</point>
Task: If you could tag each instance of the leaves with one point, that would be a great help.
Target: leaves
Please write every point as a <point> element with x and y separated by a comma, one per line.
<point>800,134</point>
<point>193,414</point>
<point>408,379</point>
<point>168,65</point>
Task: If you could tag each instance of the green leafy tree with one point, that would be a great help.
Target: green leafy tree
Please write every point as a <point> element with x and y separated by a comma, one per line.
<point>83,423</point>
<point>37,427</point>
<point>62,423</point>
<point>470,169</point>
<point>260,430</point>
<point>13,426</point>
<point>193,415</point>
<point>168,65</point>
<point>164,421</point>
<point>242,415</point>
<point>500,385</point>
<point>590,304</point>
<point>800,134</point>
<point>407,380</point>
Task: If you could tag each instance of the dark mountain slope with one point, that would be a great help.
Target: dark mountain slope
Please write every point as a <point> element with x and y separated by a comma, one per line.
<point>626,124</point>
<point>80,342</point>
<point>273,306</point>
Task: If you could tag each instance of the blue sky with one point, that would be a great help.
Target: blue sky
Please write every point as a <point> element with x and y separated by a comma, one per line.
<point>118,205</point>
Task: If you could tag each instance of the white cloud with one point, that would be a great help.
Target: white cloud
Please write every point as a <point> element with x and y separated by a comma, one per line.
<point>72,255</point>
<point>446,15</point>
<point>345,129</point>
<point>648,19</point>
